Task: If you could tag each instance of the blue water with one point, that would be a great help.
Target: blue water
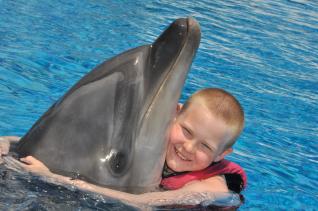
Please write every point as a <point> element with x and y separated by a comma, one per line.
<point>264,52</point>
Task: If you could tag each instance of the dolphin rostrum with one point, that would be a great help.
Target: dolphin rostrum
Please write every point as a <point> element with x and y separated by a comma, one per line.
<point>110,128</point>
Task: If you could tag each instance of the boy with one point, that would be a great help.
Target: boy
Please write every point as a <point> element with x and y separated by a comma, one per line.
<point>201,135</point>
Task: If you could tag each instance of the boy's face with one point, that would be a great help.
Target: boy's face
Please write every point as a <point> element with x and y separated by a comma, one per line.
<point>197,138</point>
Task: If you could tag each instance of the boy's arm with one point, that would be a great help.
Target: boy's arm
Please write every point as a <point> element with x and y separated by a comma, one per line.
<point>204,189</point>
<point>195,192</point>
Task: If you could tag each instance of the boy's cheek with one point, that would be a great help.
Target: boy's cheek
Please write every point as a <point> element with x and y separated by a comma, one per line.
<point>205,159</point>
<point>173,134</point>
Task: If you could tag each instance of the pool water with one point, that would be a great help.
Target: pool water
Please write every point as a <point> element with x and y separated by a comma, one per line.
<point>263,52</point>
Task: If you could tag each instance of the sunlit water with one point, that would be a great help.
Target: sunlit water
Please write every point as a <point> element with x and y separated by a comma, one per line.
<point>264,52</point>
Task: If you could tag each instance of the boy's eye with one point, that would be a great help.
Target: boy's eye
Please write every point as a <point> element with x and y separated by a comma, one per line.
<point>206,146</point>
<point>186,132</point>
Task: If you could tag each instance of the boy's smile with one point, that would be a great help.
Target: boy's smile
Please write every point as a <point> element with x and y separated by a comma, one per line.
<point>197,138</point>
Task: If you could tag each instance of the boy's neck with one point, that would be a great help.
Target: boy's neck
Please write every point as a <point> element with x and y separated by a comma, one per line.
<point>167,172</point>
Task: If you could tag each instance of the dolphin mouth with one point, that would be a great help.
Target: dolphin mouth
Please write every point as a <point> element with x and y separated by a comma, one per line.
<point>193,26</point>
<point>190,34</point>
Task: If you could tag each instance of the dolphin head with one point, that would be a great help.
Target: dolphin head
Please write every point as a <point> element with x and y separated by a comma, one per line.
<point>171,57</point>
<point>111,126</point>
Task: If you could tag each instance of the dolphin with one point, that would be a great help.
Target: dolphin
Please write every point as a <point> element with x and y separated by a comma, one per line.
<point>111,127</point>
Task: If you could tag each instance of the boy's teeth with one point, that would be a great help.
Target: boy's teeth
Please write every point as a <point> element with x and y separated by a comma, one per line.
<point>181,156</point>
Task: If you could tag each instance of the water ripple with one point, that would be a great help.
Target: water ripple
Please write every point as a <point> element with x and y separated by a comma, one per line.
<point>264,52</point>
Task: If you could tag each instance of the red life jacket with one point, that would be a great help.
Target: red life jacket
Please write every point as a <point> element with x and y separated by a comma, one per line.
<point>223,167</point>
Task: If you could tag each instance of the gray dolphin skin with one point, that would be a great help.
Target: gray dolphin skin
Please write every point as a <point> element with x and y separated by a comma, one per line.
<point>110,128</point>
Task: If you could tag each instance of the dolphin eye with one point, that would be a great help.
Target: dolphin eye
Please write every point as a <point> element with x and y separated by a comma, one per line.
<point>117,162</point>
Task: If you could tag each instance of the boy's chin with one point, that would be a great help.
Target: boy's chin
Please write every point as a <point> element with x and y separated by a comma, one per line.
<point>175,167</point>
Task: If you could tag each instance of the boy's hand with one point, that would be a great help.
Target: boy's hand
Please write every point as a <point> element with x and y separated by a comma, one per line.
<point>4,147</point>
<point>35,166</point>
<point>5,142</point>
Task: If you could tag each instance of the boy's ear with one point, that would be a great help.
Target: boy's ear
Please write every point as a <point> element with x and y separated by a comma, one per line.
<point>221,156</point>
<point>179,107</point>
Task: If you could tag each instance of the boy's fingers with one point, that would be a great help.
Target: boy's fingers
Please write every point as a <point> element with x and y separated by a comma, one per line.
<point>3,150</point>
<point>10,138</point>
<point>13,138</point>
<point>32,159</point>
<point>4,146</point>
<point>24,160</point>
<point>1,159</point>
<point>28,160</point>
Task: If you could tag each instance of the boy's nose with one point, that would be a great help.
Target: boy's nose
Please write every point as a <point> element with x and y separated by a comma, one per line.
<point>189,146</point>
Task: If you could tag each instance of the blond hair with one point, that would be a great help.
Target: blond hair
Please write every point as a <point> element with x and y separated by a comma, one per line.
<point>223,105</point>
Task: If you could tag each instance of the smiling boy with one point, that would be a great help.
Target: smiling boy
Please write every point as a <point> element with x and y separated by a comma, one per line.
<point>201,135</point>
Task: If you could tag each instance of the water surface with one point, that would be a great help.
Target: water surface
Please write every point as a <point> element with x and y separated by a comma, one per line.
<point>264,52</point>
